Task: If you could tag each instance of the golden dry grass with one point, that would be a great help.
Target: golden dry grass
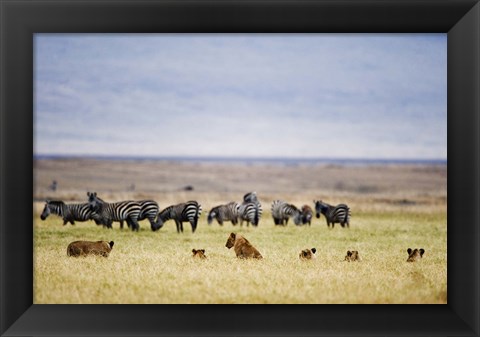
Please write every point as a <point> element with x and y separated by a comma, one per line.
<point>393,208</point>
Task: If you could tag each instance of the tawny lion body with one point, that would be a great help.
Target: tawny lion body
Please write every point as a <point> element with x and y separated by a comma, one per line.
<point>84,248</point>
<point>243,248</point>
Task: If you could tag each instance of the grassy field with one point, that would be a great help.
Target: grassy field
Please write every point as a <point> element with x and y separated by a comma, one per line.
<point>388,216</point>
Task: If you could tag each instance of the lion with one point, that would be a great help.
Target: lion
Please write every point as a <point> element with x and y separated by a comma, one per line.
<point>200,253</point>
<point>307,254</point>
<point>352,256</point>
<point>242,247</point>
<point>415,255</point>
<point>84,248</point>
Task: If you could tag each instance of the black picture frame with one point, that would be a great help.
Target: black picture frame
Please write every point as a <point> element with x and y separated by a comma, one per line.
<point>21,19</point>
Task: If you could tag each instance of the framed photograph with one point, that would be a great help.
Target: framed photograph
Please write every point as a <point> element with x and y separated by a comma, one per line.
<point>27,307</point>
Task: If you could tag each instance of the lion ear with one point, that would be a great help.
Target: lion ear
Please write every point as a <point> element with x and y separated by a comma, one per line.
<point>314,250</point>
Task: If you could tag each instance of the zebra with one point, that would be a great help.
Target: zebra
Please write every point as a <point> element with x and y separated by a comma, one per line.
<point>250,210</point>
<point>333,214</point>
<point>282,211</point>
<point>307,214</point>
<point>148,210</point>
<point>189,211</point>
<point>250,197</point>
<point>69,212</point>
<point>106,213</point>
<point>228,212</point>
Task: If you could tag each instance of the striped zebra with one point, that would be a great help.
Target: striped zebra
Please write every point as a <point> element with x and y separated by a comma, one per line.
<point>333,214</point>
<point>250,197</point>
<point>307,215</point>
<point>282,211</point>
<point>250,210</point>
<point>148,210</point>
<point>68,212</point>
<point>189,211</point>
<point>106,213</point>
<point>228,212</point>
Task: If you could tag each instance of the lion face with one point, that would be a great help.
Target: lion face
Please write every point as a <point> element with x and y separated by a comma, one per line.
<point>307,254</point>
<point>352,256</point>
<point>415,254</point>
<point>231,240</point>
<point>200,253</point>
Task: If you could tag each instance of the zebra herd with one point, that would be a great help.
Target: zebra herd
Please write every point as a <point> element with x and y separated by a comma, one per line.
<point>249,210</point>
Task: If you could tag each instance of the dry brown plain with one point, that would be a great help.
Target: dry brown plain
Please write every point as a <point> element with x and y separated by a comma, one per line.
<point>366,187</point>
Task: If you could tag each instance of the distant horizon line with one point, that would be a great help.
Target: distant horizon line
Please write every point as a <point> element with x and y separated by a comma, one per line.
<point>246,158</point>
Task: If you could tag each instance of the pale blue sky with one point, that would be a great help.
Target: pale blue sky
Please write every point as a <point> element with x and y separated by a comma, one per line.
<point>241,95</point>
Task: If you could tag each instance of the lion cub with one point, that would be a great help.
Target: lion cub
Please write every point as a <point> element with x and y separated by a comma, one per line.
<point>242,247</point>
<point>414,255</point>
<point>352,256</point>
<point>84,248</point>
<point>307,254</point>
<point>200,253</point>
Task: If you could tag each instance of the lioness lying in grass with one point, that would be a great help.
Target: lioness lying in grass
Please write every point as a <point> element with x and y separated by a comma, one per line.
<point>84,248</point>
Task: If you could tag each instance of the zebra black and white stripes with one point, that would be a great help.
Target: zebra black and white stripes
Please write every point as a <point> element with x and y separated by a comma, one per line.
<point>250,210</point>
<point>333,214</point>
<point>250,197</point>
<point>149,210</point>
<point>189,211</point>
<point>68,212</point>
<point>282,211</point>
<point>106,213</point>
<point>228,212</point>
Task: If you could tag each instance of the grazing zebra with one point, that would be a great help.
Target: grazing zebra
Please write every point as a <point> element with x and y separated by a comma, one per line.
<point>334,214</point>
<point>228,212</point>
<point>282,211</point>
<point>106,213</point>
<point>250,212</point>
<point>148,210</point>
<point>189,211</point>
<point>307,215</point>
<point>69,212</point>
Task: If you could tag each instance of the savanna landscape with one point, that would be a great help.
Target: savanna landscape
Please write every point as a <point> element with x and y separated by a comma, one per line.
<point>394,207</point>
